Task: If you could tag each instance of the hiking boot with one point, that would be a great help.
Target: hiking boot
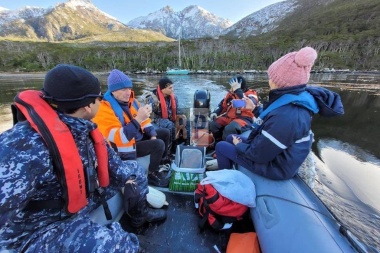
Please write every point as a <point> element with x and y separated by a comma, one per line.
<point>160,178</point>
<point>164,168</point>
<point>166,160</point>
<point>152,215</point>
<point>165,171</point>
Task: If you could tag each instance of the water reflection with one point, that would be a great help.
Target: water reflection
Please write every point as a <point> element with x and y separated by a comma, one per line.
<point>348,81</point>
<point>346,78</point>
<point>360,124</point>
<point>6,117</point>
<point>348,179</point>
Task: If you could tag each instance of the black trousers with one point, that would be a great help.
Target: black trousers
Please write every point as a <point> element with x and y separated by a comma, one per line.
<point>157,149</point>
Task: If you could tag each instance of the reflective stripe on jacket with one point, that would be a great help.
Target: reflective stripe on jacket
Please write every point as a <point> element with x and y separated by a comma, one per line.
<point>113,130</point>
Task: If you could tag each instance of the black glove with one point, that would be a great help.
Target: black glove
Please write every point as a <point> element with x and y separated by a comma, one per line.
<point>131,195</point>
<point>213,116</point>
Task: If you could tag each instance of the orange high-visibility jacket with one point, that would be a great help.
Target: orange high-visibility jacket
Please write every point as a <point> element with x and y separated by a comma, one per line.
<point>112,129</point>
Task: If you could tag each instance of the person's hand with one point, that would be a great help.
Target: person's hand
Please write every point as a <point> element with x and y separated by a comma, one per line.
<point>235,84</point>
<point>143,113</point>
<point>183,116</point>
<point>236,139</point>
<point>249,104</point>
<point>153,138</point>
<point>213,116</point>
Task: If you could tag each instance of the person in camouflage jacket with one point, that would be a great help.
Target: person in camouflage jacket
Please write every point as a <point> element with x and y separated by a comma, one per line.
<point>27,174</point>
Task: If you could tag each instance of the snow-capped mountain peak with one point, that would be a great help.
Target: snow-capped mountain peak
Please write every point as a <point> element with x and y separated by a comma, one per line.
<point>26,12</point>
<point>192,22</point>
<point>167,9</point>
<point>79,3</point>
<point>86,4</point>
<point>262,21</point>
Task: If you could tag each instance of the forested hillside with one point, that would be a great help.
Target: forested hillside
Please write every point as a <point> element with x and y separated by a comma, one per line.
<point>346,33</point>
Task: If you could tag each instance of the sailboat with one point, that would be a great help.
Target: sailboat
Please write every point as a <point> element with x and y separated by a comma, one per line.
<point>179,70</point>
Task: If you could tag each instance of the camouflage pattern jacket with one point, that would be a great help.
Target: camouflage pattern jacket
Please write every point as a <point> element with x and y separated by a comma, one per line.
<point>27,174</point>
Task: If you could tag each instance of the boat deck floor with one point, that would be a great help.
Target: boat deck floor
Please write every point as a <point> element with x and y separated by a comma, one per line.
<point>180,231</point>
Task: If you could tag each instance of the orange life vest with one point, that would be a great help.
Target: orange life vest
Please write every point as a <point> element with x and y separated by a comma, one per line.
<point>61,144</point>
<point>164,110</point>
<point>235,112</point>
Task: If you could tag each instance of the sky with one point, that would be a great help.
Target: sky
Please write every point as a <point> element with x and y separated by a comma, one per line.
<point>126,10</point>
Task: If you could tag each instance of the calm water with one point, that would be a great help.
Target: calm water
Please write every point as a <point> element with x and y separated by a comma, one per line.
<point>346,148</point>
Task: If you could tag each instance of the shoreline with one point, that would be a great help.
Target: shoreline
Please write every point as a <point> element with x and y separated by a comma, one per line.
<point>35,74</point>
<point>101,73</point>
<point>21,74</point>
<point>369,85</point>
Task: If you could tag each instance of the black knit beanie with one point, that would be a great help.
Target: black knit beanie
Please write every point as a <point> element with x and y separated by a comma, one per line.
<point>164,82</point>
<point>70,87</point>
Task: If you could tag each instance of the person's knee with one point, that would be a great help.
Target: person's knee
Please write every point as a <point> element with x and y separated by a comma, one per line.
<point>232,128</point>
<point>229,138</point>
<point>221,146</point>
<point>159,144</point>
<point>155,146</point>
<point>214,126</point>
<point>217,146</point>
<point>163,134</point>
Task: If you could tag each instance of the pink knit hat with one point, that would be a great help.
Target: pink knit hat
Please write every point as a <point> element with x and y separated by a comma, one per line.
<point>293,68</point>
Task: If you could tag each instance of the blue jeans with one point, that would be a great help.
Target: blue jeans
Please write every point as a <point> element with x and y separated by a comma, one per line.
<point>226,154</point>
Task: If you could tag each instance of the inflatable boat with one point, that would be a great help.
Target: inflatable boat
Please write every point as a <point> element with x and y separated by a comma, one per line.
<point>288,217</point>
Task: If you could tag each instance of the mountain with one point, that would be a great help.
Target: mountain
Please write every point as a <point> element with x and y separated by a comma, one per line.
<point>192,22</point>
<point>344,32</point>
<point>262,21</point>
<point>24,13</point>
<point>80,19</point>
<point>72,20</point>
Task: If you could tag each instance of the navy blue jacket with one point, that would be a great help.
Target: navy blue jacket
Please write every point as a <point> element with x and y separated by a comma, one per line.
<point>280,145</point>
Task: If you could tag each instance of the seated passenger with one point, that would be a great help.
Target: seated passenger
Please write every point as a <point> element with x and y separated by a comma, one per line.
<point>128,128</point>
<point>226,119</point>
<point>281,138</point>
<point>166,110</point>
<point>45,163</point>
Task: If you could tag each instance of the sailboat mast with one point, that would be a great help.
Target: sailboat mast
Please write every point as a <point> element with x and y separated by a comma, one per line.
<point>179,50</point>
